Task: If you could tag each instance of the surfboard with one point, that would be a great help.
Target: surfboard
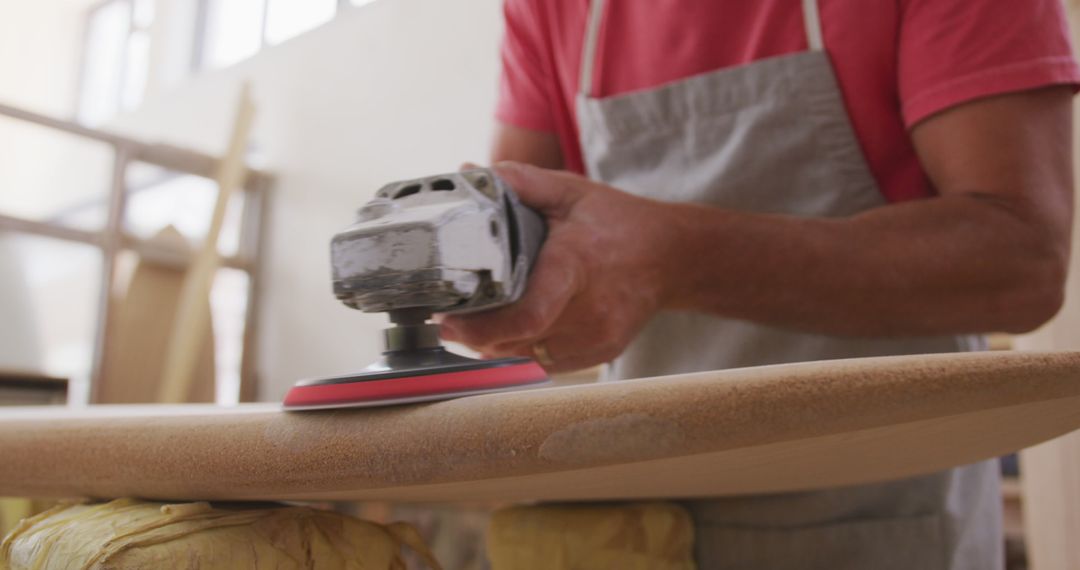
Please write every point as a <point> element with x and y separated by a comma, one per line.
<point>753,430</point>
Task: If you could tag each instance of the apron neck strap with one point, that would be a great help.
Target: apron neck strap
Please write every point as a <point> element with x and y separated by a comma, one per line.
<point>811,18</point>
<point>588,52</point>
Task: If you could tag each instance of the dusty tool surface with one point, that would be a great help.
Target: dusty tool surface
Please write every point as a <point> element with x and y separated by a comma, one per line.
<point>767,429</point>
<point>451,243</point>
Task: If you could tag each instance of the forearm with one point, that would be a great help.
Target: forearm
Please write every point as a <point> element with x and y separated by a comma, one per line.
<point>955,264</point>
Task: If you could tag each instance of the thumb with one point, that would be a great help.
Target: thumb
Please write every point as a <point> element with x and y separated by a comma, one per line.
<point>551,192</point>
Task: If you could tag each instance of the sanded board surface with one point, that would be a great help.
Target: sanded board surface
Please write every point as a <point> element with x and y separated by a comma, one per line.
<point>753,430</point>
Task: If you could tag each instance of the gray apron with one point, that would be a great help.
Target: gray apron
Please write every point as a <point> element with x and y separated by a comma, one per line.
<point>773,136</point>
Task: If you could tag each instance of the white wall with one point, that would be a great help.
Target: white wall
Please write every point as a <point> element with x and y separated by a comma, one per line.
<point>39,53</point>
<point>394,89</point>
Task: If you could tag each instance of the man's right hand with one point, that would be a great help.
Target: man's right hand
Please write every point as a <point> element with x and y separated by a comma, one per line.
<point>601,274</point>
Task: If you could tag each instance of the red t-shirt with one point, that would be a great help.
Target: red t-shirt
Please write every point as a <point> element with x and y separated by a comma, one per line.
<point>897,61</point>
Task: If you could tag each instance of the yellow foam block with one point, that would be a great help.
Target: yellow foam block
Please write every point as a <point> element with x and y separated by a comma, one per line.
<point>128,534</point>
<point>645,536</point>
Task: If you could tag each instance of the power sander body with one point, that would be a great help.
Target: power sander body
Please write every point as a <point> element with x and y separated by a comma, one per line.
<point>451,243</point>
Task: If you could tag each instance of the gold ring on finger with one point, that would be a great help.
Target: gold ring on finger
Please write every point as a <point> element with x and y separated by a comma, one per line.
<point>542,355</point>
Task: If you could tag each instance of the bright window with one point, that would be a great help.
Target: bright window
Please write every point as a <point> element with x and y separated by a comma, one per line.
<point>116,58</point>
<point>288,18</point>
<point>109,28</point>
<point>119,50</point>
<point>234,30</point>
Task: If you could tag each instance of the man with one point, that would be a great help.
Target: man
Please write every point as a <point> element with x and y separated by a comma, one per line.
<point>789,180</point>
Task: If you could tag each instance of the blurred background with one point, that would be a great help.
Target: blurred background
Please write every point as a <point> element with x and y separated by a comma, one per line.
<point>349,95</point>
<point>114,118</point>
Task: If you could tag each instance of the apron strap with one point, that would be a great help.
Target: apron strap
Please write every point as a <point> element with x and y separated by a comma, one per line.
<point>588,53</point>
<point>811,18</point>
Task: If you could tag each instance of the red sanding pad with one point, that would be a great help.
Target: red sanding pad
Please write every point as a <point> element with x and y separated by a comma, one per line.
<point>376,389</point>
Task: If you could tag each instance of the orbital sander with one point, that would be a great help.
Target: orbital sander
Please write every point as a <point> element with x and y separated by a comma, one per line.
<point>452,243</point>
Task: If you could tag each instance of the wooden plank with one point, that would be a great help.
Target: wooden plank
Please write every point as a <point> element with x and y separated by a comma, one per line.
<point>754,430</point>
<point>143,319</point>
<point>187,336</point>
<point>33,380</point>
<point>1050,473</point>
<point>26,388</point>
<point>111,244</point>
<point>252,246</point>
<point>49,229</point>
<point>145,249</point>
<point>164,155</point>
<point>1051,503</point>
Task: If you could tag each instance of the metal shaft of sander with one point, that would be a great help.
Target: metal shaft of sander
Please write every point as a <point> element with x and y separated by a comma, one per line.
<point>411,332</point>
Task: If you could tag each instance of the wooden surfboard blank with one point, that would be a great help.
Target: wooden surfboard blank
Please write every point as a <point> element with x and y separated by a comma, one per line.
<point>143,323</point>
<point>753,430</point>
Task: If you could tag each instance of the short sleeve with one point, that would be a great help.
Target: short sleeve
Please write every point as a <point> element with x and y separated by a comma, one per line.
<point>525,85</point>
<point>954,51</point>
